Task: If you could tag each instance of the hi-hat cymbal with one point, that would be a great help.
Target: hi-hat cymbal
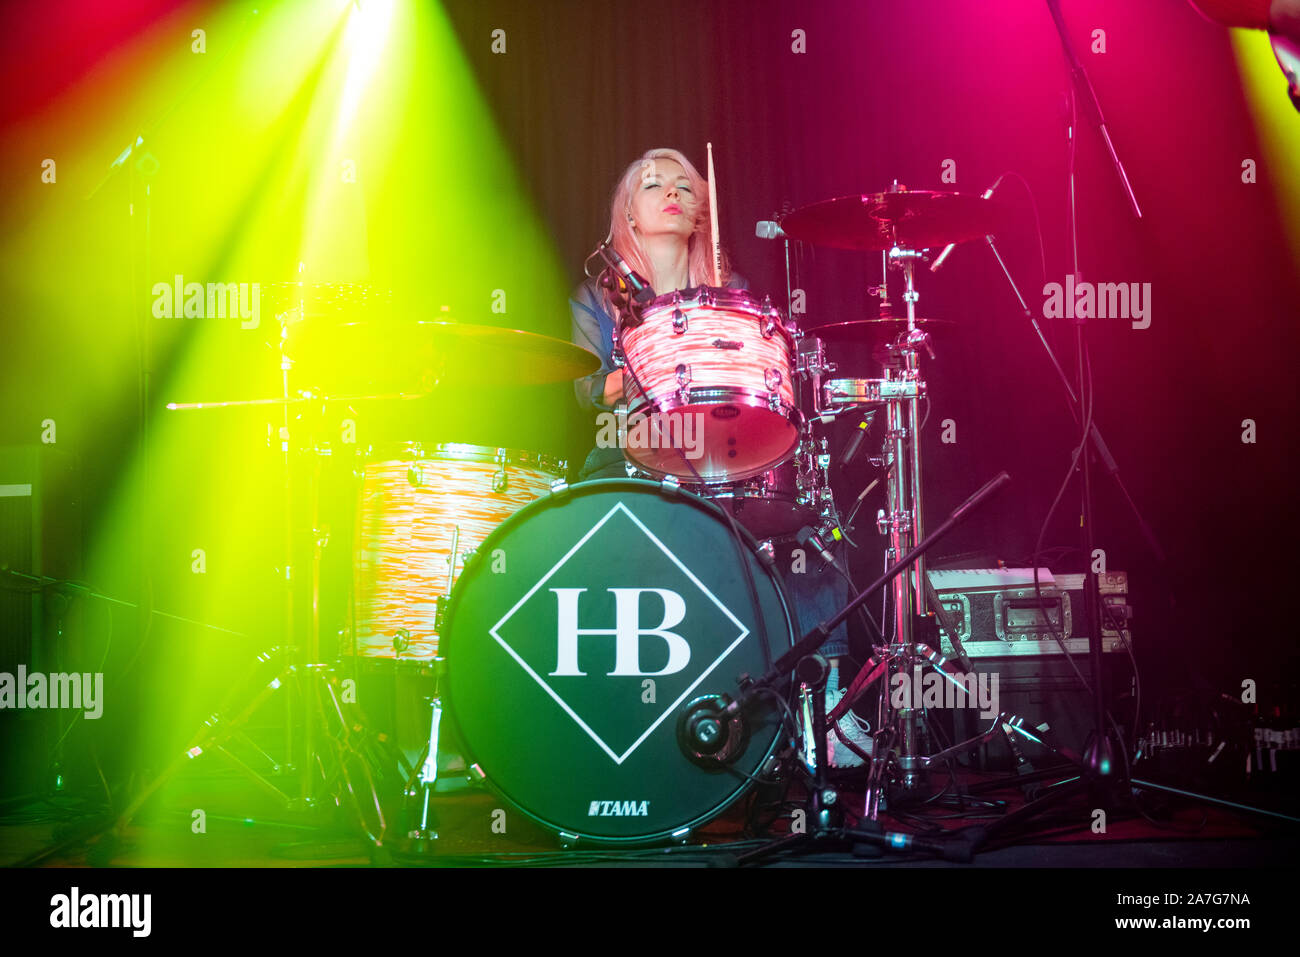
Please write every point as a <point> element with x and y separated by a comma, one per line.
<point>913,219</point>
<point>395,355</point>
<point>873,329</point>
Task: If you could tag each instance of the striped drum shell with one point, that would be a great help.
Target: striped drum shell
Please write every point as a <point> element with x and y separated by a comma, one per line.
<point>724,360</point>
<point>413,504</point>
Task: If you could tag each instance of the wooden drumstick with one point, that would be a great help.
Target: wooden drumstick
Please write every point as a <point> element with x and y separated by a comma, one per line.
<point>713,224</point>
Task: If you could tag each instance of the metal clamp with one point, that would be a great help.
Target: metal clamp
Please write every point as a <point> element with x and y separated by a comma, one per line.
<point>680,322</point>
<point>900,521</point>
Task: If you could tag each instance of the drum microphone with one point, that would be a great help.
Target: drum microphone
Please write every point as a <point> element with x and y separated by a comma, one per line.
<point>810,539</point>
<point>987,194</point>
<point>768,229</point>
<point>855,441</point>
<point>641,291</point>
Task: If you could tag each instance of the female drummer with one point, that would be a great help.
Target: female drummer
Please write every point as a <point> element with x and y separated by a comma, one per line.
<point>659,223</point>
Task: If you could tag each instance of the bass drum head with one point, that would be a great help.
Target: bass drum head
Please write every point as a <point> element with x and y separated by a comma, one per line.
<point>586,631</point>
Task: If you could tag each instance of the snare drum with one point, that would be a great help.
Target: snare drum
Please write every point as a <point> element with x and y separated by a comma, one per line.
<point>422,511</point>
<point>717,368</point>
<point>840,394</point>
<point>780,501</point>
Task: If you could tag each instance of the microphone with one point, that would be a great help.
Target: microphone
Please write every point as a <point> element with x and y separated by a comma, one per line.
<point>641,291</point>
<point>855,441</point>
<point>810,539</point>
<point>947,250</point>
<point>768,229</point>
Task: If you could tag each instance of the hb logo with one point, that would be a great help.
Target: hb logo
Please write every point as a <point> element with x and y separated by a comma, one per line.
<point>627,632</point>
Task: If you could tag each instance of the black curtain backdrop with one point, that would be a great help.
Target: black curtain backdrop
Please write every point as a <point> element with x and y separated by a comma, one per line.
<point>890,91</point>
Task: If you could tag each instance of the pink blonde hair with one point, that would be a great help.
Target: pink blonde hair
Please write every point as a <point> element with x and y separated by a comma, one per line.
<point>628,244</point>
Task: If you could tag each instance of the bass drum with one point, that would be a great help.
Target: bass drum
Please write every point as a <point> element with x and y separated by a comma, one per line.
<point>589,643</point>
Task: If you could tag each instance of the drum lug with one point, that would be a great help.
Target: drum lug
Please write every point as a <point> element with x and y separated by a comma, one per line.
<point>401,641</point>
<point>683,374</point>
<point>680,323</point>
<point>708,297</point>
<point>767,552</point>
<point>415,475</point>
<point>559,486</point>
<point>770,316</point>
<point>568,841</point>
<point>682,835</point>
<point>477,773</point>
<point>500,483</point>
<point>670,484</point>
<point>772,378</point>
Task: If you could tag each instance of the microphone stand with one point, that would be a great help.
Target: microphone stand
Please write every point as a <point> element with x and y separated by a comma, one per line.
<point>1099,444</point>
<point>1098,775</point>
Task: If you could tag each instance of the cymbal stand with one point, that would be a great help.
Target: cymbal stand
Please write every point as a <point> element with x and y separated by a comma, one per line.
<point>337,754</point>
<point>905,526</point>
<point>824,813</point>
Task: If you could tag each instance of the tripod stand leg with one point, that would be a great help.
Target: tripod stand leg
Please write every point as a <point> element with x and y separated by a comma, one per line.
<point>217,732</point>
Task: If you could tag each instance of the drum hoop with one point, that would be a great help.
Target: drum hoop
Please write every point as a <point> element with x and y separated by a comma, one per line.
<point>725,299</point>
<point>557,499</point>
<point>752,398</point>
<point>461,452</point>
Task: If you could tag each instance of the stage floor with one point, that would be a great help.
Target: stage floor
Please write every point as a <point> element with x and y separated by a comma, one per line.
<point>241,827</point>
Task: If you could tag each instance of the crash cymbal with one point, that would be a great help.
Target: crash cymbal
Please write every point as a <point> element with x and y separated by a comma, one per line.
<point>913,219</point>
<point>524,358</point>
<point>415,355</point>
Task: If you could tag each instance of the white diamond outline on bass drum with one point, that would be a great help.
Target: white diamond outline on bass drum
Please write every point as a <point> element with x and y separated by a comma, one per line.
<point>744,633</point>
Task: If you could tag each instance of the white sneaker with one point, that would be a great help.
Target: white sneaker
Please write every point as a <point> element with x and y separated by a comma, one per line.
<point>851,726</point>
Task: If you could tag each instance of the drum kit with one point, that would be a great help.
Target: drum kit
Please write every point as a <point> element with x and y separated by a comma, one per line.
<point>603,651</point>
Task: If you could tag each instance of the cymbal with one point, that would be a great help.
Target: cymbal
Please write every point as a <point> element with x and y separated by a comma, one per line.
<point>395,355</point>
<point>913,219</point>
<point>524,358</point>
<point>873,329</point>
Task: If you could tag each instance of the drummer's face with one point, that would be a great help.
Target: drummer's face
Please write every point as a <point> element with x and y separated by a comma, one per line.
<point>663,201</point>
